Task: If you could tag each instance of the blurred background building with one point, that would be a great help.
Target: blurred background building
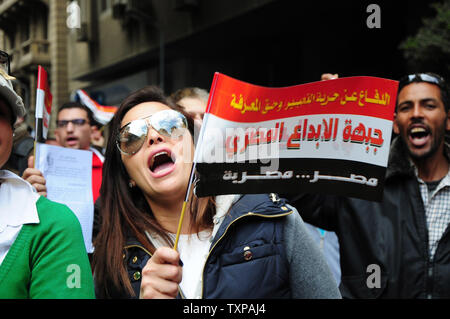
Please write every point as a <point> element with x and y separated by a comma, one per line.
<point>112,47</point>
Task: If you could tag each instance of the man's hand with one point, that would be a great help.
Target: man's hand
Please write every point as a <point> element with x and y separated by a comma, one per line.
<point>35,177</point>
<point>329,76</point>
<point>161,275</point>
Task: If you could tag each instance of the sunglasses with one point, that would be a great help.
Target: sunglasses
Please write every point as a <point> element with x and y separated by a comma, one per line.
<point>167,123</point>
<point>5,61</point>
<point>422,77</point>
<point>76,122</point>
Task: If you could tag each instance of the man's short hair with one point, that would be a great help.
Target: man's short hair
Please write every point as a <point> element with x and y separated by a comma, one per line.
<point>78,105</point>
<point>431,78</point>
<point>192,92</point>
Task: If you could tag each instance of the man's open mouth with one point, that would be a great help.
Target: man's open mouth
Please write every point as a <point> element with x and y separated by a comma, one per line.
<point>419,135</point>
<point>71,140</point>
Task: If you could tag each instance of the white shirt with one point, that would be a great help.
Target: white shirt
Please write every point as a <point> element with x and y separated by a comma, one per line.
<point>194,249</point>
<point>18,207</point>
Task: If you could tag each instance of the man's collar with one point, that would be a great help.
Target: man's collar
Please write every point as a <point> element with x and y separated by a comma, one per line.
<point>98,153</point>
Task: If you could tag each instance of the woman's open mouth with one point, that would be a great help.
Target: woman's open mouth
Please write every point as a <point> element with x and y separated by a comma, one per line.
<point>161,163</point>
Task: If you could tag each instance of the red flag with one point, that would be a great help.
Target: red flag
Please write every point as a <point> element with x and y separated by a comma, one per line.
<point>326,136</point>
<point>43,105</point>
<point>102,114</point>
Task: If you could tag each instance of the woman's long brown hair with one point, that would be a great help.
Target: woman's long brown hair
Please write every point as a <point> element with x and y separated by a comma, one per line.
<point>124,212</point>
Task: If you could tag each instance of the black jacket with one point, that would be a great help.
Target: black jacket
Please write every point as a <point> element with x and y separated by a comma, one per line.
<point>391,234</point>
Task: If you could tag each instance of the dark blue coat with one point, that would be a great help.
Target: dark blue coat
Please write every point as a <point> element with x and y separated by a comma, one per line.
<point>246,258</point>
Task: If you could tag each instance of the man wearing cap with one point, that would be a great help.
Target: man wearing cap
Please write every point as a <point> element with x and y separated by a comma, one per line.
<point>399,247</point>
<point>42,252</point>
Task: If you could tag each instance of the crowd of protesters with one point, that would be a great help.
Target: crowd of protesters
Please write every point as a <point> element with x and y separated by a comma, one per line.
<point>224,251</point>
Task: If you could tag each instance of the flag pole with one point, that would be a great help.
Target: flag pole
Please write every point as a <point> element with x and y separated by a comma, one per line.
<point>39,113</point>
<point>183,209</point>
<point>194,164</point>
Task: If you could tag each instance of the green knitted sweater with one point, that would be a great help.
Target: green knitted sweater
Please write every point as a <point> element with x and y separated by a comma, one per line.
<point>48,260</point>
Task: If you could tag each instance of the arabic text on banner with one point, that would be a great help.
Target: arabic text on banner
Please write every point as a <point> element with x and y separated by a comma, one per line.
<point>327,136</point>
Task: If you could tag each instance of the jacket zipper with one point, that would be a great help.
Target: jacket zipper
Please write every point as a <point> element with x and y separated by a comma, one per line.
<point>226,230</point>
<point>422,220</point>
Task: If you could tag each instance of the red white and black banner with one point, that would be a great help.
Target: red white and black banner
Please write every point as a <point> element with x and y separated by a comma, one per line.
<point>102,113</point>
<point>327,136</point>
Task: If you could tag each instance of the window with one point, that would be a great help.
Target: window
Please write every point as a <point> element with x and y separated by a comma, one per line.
<point>44,24</point>
<point>25,34</point>
<point>104,5</point>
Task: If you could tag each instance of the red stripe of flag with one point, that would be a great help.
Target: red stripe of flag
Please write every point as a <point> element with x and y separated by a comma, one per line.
<point>239,101</point>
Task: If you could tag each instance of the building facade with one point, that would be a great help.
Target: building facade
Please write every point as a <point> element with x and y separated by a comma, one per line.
<point>34,32</point>
<point>112,47</point>
<point>122,45</point>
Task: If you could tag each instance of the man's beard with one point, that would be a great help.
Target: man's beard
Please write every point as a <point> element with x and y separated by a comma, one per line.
<point>438,138</point>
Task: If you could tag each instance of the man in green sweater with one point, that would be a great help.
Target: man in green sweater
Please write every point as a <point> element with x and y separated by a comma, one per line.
<point>42,253</point>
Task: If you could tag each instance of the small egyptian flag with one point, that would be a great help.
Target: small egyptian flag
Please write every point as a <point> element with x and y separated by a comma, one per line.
<point>102,114</point>
<point>43,106</point>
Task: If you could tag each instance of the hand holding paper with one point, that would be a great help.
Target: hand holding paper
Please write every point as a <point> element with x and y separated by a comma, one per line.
<point>35,177</point>
<point>68,177</point>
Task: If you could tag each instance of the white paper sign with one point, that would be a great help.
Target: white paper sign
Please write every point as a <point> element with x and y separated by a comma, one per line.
<point>68,175</point>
